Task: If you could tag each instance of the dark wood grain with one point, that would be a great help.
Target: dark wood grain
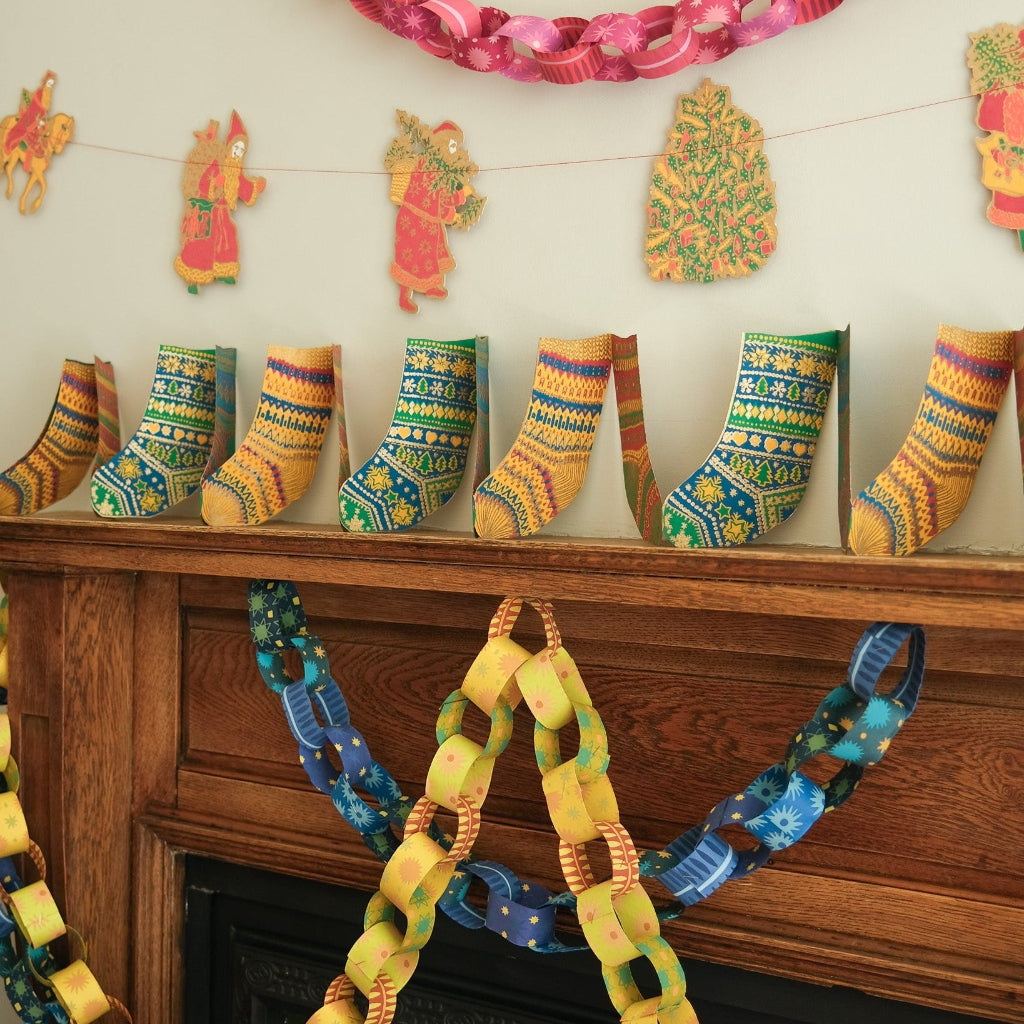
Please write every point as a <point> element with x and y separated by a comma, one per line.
<point>702,664</point>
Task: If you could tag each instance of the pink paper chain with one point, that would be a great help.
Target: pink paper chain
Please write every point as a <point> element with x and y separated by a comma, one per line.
<point>570,50</point>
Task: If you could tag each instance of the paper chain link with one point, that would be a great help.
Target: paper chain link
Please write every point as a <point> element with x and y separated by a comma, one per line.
<point>618,918</point>
<point>278,623</point>
<point>853,724</point>
<point>571,50</point>
<point>30,921</point>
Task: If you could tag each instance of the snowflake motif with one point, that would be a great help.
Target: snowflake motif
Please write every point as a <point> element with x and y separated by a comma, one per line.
<point>776,840</point>
<point>720,14</point>
<point>415,21</point>
<point>796,784</point>
<point>786,818</point>
<point>824,371</point>
<point>766,787</point>
<point>817,802</point>
<point>746,385</point>
<point>806,366</point>
<point>355,523</point>
<point>358,814</point>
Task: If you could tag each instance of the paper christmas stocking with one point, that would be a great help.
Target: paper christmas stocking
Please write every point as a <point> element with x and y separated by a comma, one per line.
<point>276,462</point>
<point>61,456</point>
<point>927,484</point>
<point>163,462</point>
<point>421,461</point>
<point>756,475</point>
<point>545,469</point>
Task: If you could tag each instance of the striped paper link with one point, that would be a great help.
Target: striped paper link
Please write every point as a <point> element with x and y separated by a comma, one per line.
<point>811,10</point>
<point>369,9</point>
<point>482,448</point>
<point>577,62</point>
<point>461,16</point>
<point>875,651</point>
<point>223,444</point>
<point>678,53</point>
<point>107,412</point>
<point>709,865</point>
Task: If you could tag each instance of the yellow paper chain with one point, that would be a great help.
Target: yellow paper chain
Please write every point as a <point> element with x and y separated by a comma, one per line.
<point>617,916</point>
<point>33,908</point>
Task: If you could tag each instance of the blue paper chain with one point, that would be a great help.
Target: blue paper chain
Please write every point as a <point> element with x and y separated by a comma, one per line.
<point>853,724</point>
<point>278,622</point>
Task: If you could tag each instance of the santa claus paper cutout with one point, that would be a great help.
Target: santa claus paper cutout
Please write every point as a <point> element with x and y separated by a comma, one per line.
<point>213,183</point>
<point>430,183</point>
<point>996,60</point>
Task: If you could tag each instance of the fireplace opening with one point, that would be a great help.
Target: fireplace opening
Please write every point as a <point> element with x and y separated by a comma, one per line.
<point>261,948</point>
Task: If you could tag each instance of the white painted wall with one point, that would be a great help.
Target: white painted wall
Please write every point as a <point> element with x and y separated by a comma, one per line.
<point>881,224</point>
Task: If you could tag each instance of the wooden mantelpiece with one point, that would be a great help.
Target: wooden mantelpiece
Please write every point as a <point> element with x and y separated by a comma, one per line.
<point>144,732</point>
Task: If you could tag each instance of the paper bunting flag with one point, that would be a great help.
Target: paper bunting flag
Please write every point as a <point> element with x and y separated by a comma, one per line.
<point>430,184</point>
<point>32,138</point>
<point>996,61</point>
<point>213,183</point>
<point>711,212</point>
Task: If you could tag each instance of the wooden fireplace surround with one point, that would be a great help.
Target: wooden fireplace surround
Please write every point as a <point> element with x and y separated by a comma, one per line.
<point>144,732</point>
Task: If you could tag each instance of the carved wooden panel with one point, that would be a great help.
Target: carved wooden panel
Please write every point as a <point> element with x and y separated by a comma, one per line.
<point>701,664</point>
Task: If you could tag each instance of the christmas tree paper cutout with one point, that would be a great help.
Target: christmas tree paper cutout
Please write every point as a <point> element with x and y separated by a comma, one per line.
<point>996,61</point>
<point>711,212</point>
<point>430,184</point>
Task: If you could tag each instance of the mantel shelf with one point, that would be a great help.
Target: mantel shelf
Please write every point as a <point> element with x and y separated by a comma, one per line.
<point>938,589</point>
<point>135,636</point>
